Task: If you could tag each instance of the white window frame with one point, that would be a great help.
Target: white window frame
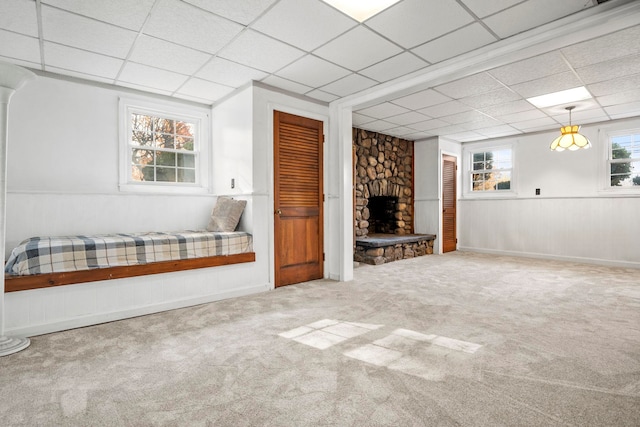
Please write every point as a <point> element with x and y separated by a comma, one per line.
<point>200,119</point>
<point>468,151</point>
<point>608,160</point>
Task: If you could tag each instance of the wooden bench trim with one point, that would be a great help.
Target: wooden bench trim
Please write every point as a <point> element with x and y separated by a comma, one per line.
<point>46,280</point>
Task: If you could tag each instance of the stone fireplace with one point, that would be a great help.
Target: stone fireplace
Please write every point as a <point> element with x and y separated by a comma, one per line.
<point>383,190</point>
<point>383,175</point>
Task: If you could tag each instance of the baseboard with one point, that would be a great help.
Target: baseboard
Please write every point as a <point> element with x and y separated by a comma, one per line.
<point>95,319</point>
<point>582,260</point>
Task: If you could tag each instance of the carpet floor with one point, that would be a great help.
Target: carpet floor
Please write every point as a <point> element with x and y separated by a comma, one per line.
<point>461,339</point>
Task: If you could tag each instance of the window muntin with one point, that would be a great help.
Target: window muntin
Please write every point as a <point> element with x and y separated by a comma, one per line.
<point>162,149</point>
<point>491,170</point>
<point>623,160</point>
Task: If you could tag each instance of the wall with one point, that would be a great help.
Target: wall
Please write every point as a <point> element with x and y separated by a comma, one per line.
<point>428,185</point>
<point>574,218</point>
<point>63,179</point>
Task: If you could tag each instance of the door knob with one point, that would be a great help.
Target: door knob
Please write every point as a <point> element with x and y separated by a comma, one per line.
<point>278,212</point>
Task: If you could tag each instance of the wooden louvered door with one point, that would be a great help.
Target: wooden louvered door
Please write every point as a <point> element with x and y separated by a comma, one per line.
<point>298,199</point>
<point>449,238</point>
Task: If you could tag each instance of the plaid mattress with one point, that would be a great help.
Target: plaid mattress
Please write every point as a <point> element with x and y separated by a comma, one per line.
<point>58,254</point>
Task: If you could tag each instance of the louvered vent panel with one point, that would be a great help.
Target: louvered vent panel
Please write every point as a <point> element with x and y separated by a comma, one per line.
<point>299,166</point>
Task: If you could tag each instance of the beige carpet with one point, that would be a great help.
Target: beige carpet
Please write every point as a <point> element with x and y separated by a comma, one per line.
<point>459,339</point>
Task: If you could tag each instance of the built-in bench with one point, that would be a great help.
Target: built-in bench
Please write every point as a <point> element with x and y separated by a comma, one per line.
<point>378,249</point>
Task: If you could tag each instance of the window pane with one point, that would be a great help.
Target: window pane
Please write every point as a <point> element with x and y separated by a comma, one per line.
<point>165,174</point>
<point>187,160</point>
<point>165,159</point>
<point>186,175</point>
<point>165,126</point>
<point>478,157</point>
<point>184,143</point>
<point>478,166</point>
<point>184,129</point>
<point>141,123</point>
<point>625,174</point>
<point>142,157</point>
<point>141,138</point>
<point>164,140</point>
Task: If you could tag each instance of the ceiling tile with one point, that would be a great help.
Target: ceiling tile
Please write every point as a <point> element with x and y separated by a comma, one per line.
<point>244,11</point>
<point>384,110</point>
<point>414,22</point>
<point>168,56</point>
<point>482,123</point>
<point>204,89</point>
<point>358,48</point>
<point>429,125</point>
<point>85,33</point>
<point>91,77</point>
<point>199,30</point>
<point>81,61</point>
<point>499,131</point>
<point>19,16</point>
<point>623,84</point>
<point>621,111</point>
<point>360,119</point>
<point>109,11</point>
<point>151,77</point>
<point>508,108</point>
<point>285,84</point>
<point>399,131</point>
<point>580,116</point>
<point>605,48</point>
<point>483,8</point>
<point>463,136</point>
<point>259,51</point>
<point>531,69</point>
<point>522,116</point>
<point>229,73</point>
<point>449,129</point>
<point>548,84</point>
<point>530,125</point>
<point>378,126</point>
<point>422,99</point>
<point>531,14</point>
<point>145,88</point>
<point>347,85</point>
<point>19,46</point>
<point>419,136</point>
<point>395,67</point>
<point>446,109</point>
<point>306,24</point>
<point>453,44</point>
<point>609,70</point>
<point>619,98</point>
<point>322,96</point>
<point>313,71</point>
<point>407,118</point>
<point>465,117</point>
<point>495,97</point>
<point>469,86</point>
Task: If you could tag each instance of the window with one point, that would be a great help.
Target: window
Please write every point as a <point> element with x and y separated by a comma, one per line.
<point>623,160</point>
<point>491,170</point>
<point>162,148</point>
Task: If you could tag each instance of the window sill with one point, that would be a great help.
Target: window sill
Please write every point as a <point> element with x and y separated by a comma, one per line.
<point>162,189</point>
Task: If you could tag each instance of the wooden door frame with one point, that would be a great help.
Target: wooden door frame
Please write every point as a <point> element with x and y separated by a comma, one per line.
<point>270,196</point>
<point>440,188</point>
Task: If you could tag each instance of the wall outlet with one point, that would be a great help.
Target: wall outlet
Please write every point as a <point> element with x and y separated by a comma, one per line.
<point>537,191</point>
<point>233,183</point>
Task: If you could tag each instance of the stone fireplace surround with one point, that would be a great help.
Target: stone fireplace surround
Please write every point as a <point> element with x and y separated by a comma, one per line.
<point>383,169</point>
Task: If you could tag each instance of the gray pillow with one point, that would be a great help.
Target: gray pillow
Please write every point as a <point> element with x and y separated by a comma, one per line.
<point>226,214</point>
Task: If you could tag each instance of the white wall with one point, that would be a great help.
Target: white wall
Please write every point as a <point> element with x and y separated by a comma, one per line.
<point>63,179</point>
<point>574,218</point>
<point>428,185</point>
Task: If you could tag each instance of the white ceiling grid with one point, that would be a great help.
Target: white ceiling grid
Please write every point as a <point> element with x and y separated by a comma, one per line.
<point>202,50</point>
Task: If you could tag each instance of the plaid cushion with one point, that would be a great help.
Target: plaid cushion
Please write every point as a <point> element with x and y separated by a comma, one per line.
<point>70,253</point>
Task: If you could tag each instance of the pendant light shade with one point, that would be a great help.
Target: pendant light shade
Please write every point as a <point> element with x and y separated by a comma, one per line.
<point>570,138</point>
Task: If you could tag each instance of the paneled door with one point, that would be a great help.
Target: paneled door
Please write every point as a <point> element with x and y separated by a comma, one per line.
<point>449,237</point>
<point>298,199</point>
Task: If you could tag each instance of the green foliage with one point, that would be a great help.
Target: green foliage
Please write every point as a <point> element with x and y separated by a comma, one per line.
<point>620,171</point>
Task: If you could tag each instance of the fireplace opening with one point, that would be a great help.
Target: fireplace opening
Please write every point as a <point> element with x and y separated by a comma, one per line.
<point>382,214</point>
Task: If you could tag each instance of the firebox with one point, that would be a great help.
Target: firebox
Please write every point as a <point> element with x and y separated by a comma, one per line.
<point>382,214</point>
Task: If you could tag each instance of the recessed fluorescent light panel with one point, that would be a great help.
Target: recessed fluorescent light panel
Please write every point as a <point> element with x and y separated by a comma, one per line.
<point>558,98</point>
<point>361,10</point>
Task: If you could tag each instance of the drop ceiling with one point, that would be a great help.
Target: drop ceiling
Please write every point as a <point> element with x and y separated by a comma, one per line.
<point>202,50</point>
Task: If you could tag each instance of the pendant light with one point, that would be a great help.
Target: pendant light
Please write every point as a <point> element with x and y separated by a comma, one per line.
<point>569,138</point>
